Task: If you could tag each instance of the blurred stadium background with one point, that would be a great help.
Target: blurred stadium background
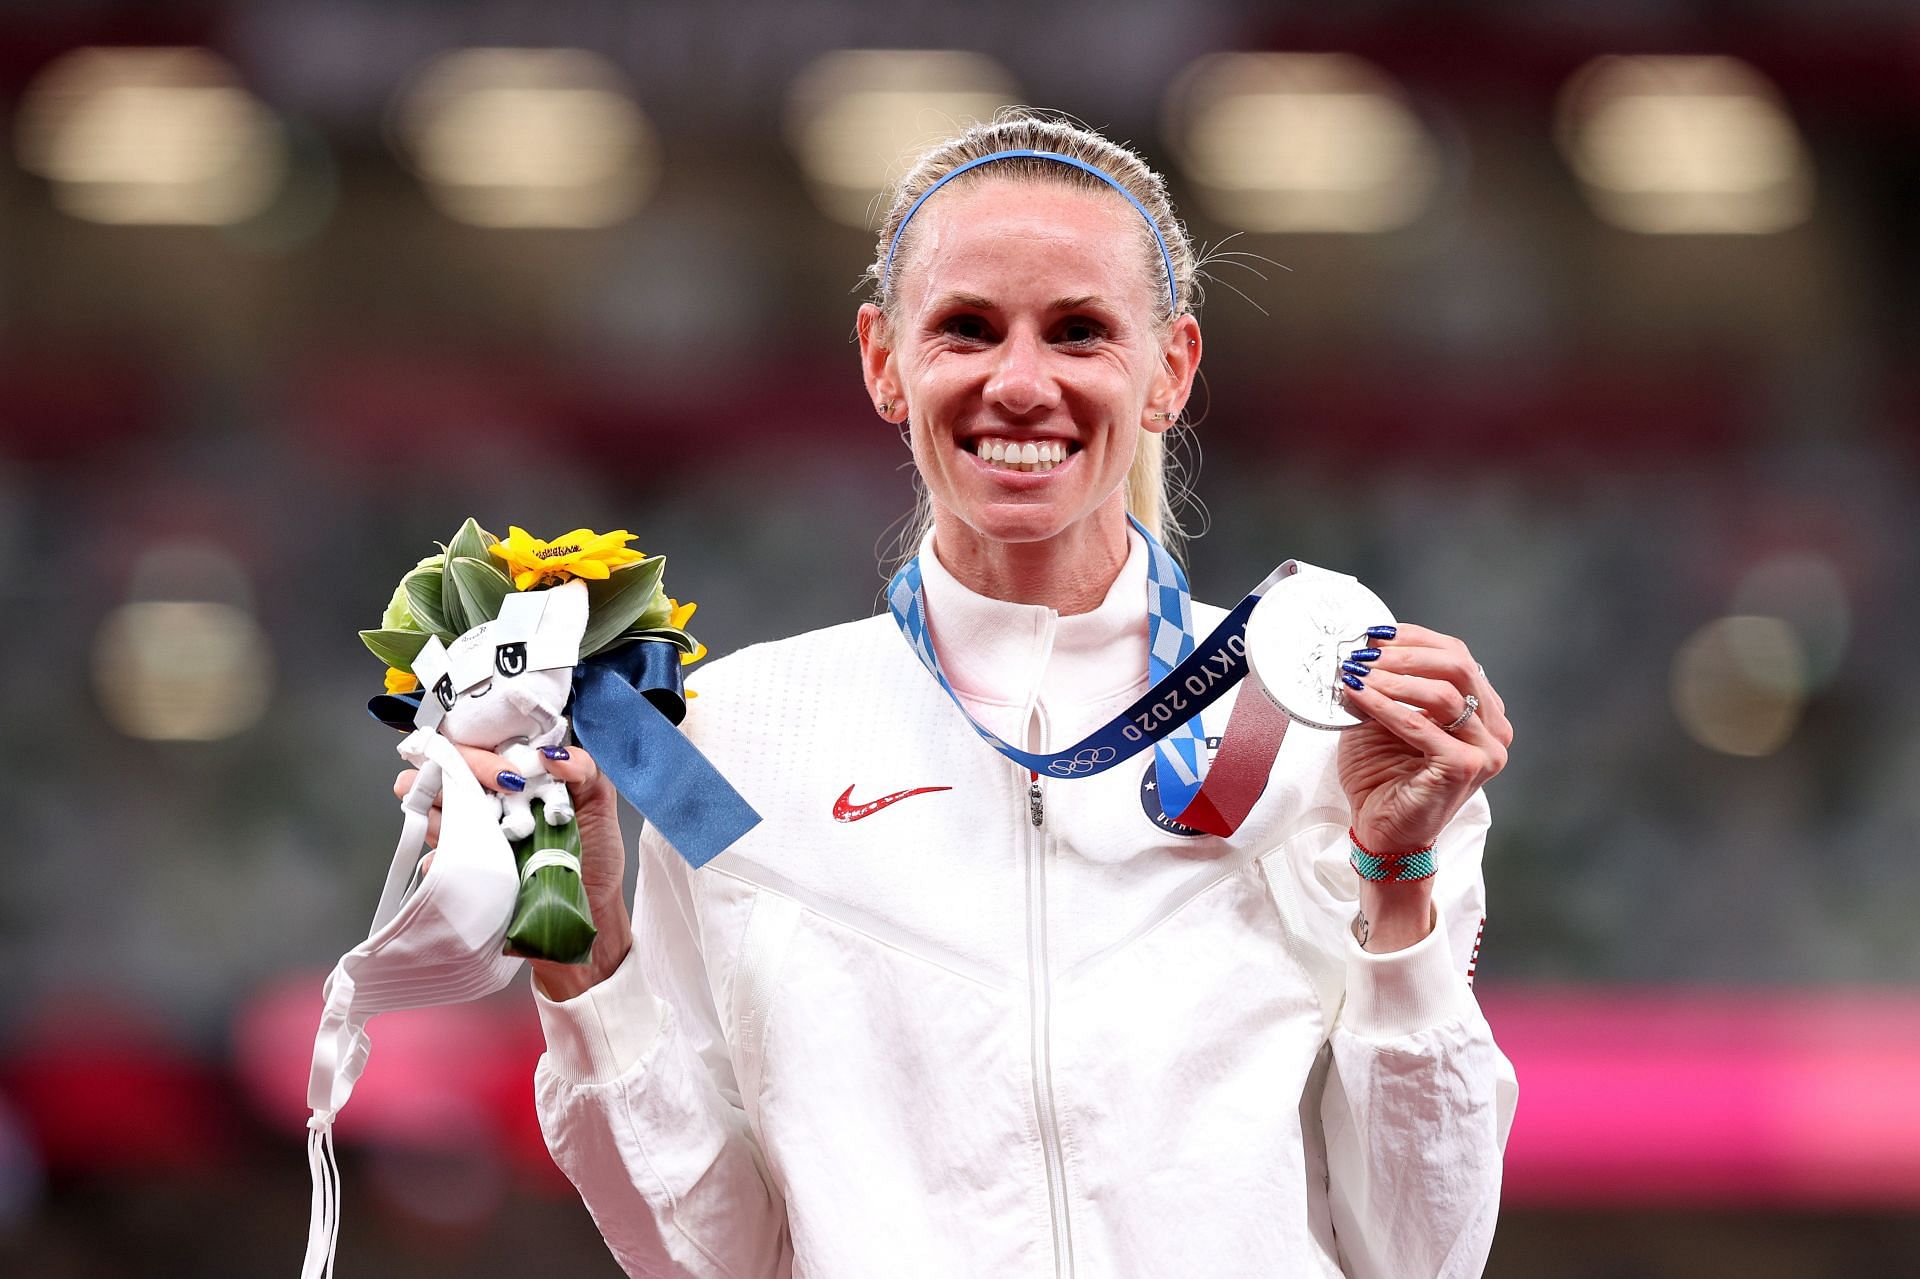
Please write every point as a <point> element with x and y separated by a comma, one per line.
<point>1586,331</point>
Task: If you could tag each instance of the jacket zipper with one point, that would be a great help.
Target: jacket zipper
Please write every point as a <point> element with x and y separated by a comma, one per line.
<point>1040,983</point>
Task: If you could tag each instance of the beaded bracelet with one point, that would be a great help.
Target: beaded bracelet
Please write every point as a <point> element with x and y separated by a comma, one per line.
<point>1392,868</point>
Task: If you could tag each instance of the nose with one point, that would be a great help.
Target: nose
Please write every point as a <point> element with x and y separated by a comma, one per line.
<point>1021,383</point>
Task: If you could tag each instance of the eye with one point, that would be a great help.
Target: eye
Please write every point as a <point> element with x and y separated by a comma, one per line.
<point>510,659</point>
<point>443,692</point>
<point>1081,331</point>
<point>967,328</point>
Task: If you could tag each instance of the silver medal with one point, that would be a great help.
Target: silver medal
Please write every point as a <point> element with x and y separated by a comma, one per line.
<point>1300,632</point>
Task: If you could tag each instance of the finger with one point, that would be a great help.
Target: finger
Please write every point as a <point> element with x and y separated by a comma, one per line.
<point>1415,727</point>
<point>1453,665</point>
<point>1407,634</point>
<point>404,783</point>
<point>426,863</point>
<point>1423,660</point>
<point>492,770</point>
<point>1421,650</point>
<point>433,827</point>
<point>579,770</point>
<point>1440,704</point>
<point>1438,698</point>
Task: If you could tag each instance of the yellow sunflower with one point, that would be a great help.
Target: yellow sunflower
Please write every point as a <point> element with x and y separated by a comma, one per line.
<point>581,553</point>
<point>399,681</point>
<point>681,614</point>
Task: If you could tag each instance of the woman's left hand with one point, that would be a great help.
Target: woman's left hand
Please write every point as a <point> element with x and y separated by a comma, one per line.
<point>1405,775</point>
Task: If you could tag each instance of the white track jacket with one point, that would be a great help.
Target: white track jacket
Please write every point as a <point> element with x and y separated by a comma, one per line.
<point>928,1021</point>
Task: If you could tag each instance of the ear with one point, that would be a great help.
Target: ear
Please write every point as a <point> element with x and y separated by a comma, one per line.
<point>1179,362</point>
<point>877,364</point>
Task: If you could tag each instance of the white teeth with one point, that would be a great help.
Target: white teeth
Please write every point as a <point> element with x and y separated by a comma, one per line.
<point>1032,455</point>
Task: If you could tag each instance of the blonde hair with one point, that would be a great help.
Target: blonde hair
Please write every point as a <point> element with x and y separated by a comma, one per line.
<point>1154,485</point>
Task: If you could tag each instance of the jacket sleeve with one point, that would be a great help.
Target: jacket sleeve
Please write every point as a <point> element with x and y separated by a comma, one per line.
<point>637,1098</point>
<point>1418,1099</point>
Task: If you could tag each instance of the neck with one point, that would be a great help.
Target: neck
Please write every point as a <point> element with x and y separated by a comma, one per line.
<point>1069,572</point>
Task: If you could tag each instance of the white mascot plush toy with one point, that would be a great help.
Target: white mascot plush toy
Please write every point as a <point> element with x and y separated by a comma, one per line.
<point>503,686</point>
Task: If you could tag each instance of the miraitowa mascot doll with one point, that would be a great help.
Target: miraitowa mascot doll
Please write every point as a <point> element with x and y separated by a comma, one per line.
<point>490,643</point>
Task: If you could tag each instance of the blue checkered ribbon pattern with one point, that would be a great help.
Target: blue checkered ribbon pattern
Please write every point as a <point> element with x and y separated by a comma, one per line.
<point>1187,677</point>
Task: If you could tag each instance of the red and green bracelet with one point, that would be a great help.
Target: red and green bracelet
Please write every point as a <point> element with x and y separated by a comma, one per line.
<point>1390,868</point>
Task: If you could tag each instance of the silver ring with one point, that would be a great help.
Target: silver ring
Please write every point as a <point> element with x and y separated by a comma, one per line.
<point>1473,704</point>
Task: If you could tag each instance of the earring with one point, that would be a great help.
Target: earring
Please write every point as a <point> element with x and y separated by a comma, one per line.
<point>1158,416</point>
<point>885,407</point>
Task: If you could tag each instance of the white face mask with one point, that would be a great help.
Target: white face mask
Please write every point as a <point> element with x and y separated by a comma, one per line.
<point>504,680</point>
<point>442,946</point>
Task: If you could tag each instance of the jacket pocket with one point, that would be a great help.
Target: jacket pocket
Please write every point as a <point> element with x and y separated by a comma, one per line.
<point>763,950</point>
<point>1283,868</point>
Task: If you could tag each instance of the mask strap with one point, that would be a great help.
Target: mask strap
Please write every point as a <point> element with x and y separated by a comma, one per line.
<point>323,1221</point>
<point>413,836</point>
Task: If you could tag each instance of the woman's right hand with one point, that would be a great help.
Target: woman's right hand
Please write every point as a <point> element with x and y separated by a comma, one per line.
<point>603,860</point>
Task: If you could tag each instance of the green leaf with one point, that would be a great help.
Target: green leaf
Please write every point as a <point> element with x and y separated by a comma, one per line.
<point>616,601</point>
<point>551,918</point>
<point>480,587</point>
<point>659,612</point>
<point>672,635</point>
<point>424,598</point>
<point>452,609</point>
<point>471,542</point>
<point>397,648</point>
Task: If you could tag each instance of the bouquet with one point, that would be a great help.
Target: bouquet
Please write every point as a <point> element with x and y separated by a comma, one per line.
<point>482,642</point>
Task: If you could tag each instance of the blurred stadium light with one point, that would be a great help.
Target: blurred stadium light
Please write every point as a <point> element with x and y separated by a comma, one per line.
<point>1298,142</point>
<point>150,135</point>
<point>1679,145</point>
<point>1804,589</point>
<point>528,138</point>
<point>855,117</point>
<point>171,664</point>
<point>1740,683</point>
<point>181,670</point>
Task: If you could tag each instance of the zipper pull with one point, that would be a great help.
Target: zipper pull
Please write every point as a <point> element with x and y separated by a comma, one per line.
<point>1035,809</point>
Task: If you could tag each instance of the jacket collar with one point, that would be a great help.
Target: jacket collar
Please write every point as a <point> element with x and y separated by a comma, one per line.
<point>997,651</point>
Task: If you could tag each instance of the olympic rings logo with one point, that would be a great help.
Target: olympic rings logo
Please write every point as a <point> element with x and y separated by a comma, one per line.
<point>1083,762</point>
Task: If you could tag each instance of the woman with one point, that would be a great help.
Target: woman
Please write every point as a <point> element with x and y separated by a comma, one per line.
<point>938,1016</point>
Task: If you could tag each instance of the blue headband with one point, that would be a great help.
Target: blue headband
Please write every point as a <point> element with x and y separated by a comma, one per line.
<point>1173,292</point>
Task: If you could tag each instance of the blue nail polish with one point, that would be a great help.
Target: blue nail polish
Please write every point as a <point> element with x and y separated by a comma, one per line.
<point>1363,655</point>
<point>510,780</point>
<point>555,752</point>
<point>1351,681</point>
<point>1382,632</point>
<point>1354,668</point>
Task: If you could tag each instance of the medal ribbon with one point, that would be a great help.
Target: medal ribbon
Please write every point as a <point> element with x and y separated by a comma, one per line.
<point>1187,677</point>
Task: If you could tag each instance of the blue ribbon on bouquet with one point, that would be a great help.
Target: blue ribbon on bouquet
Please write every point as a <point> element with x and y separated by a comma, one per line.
<point>626,708</point>
<point>1187,677</point>
<point>627,704</point>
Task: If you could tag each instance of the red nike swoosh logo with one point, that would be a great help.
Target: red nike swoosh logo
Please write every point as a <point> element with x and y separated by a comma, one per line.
<point>844,810</point>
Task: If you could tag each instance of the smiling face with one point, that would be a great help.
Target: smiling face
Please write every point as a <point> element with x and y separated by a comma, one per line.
<point>1025,352</point>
